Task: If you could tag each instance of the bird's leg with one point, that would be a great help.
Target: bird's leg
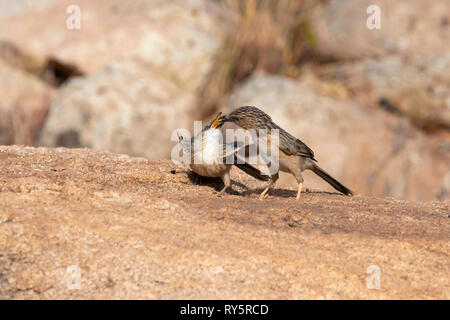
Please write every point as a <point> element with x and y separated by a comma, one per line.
<point>272,182</point>
<point>227,183</point>
<point>299,177</point>
<point>222,191</point>
<point>300,185</point>
<point>264,193</point>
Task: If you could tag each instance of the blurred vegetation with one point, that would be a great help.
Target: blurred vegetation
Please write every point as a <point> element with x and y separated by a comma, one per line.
<point>270,35</point>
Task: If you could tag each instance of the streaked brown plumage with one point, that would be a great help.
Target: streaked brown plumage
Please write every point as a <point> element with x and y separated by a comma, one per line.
<point>294,155</point>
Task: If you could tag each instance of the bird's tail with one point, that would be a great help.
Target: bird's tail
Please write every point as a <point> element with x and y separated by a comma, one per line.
<point>325,176</point>
<point>250,170</point>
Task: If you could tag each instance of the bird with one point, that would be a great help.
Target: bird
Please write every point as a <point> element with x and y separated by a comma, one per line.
<point>294,156</point>
<point>213,155</point>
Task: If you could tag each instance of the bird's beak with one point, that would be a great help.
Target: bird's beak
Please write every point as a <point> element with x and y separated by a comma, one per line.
<point>216,121</point>
<point>224,119</point>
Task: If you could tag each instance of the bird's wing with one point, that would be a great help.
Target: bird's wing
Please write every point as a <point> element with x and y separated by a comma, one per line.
<point>293,146</point>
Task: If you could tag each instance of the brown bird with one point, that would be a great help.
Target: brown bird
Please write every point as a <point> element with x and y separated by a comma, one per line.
<point>294,155</point>
<point>212,155</point>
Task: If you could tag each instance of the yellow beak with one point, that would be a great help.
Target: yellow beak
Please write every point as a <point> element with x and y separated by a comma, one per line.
<point>216,121</point>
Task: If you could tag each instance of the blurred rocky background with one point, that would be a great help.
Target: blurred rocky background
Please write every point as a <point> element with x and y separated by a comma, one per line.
<point>374,105</point>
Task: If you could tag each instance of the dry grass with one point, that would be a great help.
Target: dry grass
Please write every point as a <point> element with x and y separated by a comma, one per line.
<point>270,35</point>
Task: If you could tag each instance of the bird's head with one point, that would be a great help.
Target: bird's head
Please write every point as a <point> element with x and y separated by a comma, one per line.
<point>247,117</point>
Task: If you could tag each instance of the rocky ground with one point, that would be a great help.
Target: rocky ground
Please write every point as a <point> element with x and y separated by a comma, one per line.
<point>138,229</point>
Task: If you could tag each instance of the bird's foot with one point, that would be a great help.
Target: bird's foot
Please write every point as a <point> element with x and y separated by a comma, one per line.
<point>300,185</point>
<point>263,196</point>
<point>221,193</point>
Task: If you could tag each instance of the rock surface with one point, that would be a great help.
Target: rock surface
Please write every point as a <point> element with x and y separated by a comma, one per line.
<point>410,28</point>
<point>136,230</point>
<point>146,83</point>
<point>173,34</point>
<point>417,89</point>
<point>8,8</point>
<point>24,103</point>
<point>369,150</point>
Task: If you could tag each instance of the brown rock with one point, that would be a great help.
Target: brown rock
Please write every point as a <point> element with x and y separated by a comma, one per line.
<point>24,102</point>
<point>98,112</point>
<point>418,89</point>
<point>8,8</point>
<point>176,35</point>
<point>370,151</point>
<point>145,86</point>
<point>135,230</point>
<point>408,27</point>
